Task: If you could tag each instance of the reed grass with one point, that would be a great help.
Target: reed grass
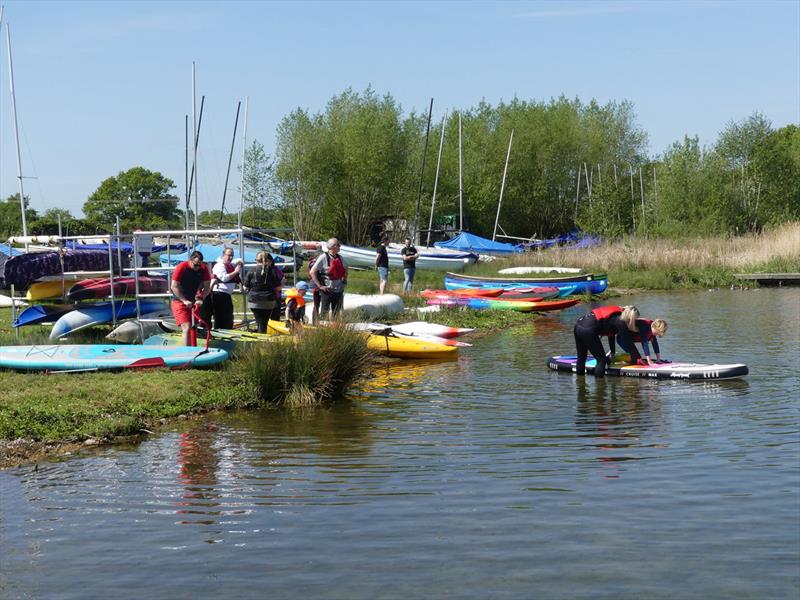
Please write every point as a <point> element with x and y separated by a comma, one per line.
<point>318,368</point>
<point>748,253</point>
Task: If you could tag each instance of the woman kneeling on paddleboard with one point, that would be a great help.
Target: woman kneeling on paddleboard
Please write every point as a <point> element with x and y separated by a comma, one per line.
<point>612,321</point>
<point>648,331</point>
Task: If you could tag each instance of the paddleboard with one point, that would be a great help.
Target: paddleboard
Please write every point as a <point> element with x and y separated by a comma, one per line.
<point>672,370</point>
<point>91,357</point>
<point>529,270</point>
<point>227,339</point>
<point>372,306</point>
<point>97,314</point>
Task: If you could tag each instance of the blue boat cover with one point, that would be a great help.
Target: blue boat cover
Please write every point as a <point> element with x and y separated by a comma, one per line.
<point>469,242</point>
<point>211,253</point>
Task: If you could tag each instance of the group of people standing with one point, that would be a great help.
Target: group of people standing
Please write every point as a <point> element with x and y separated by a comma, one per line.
<point>409,254</point>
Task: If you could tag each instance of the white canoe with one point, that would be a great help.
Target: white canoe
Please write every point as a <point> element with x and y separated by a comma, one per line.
<point>529,270</point>
<point>6,302</point>
<point>372,306</point>
<point>365,257</point>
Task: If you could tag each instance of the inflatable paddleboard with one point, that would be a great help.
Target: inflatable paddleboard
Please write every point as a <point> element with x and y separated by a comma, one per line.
<point>530,270</point>
<point>673,370</point>
<point>97,314</point>
<point>134,332</point>
<point>7,302</point>
<point>92,357</point>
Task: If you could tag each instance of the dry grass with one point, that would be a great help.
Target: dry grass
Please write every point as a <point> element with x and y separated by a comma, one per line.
<point>733,253</point>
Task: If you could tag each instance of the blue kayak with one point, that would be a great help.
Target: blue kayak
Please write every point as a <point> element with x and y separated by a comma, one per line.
<point>97,314</point>
<point>578,284</point>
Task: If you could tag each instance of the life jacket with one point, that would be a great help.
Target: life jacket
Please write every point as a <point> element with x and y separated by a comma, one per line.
<point>229,268</point>
<point>335,268</point>
<point>637,335</point>
<point>606,312</point>
<point>297,296</point>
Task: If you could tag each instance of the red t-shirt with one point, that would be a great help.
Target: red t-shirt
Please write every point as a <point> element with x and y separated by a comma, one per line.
<point>189,280</point>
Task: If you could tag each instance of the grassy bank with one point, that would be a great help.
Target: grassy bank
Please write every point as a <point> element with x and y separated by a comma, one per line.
<point>42,414</point>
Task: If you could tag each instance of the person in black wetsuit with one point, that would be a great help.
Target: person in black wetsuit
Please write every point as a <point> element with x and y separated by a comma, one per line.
<point>613,321</point>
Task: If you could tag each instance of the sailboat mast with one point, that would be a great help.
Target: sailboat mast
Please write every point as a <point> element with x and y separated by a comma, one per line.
<point>422,172</point>
<point>230,160</point>
<point>502,186</point>
<point>460,180</point>
<point>194,131</point>
<point>436,181</point>
<point>16,132</point>
<point>244,163</point>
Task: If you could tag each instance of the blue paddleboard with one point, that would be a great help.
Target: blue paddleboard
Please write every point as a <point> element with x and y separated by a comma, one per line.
<point>91,357</point>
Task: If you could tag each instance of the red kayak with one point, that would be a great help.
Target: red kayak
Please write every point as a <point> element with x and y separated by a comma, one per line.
<point>464,293</point>
<point>534,292</point>
<point>99,287</point>
<point>553,305</point>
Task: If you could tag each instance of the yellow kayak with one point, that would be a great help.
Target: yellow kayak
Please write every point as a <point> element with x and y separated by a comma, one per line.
<point>389,345</point>
<point>41,290</point>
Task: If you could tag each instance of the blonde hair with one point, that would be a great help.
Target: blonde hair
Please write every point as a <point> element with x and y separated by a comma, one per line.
<point>261,258</point>
<point>629,314</point>
<point>659,327</point>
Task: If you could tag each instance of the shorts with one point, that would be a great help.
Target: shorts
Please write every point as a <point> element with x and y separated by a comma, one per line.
<point>181,312</point>
<point>383,273</point>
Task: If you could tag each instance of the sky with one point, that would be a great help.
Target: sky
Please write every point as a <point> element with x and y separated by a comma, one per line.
<point>105,86</point>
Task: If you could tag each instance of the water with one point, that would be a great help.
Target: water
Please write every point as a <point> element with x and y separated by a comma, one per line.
<point>486,477</point>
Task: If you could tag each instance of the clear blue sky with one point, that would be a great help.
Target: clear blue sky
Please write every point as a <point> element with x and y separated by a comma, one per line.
<point>104,86</point>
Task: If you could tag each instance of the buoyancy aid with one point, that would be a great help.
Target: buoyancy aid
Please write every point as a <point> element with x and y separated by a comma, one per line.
<point>297,296</point>
<point>335,268</point>
<point>606,312</point>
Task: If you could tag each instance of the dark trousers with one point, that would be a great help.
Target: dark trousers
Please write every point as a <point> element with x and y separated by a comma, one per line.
<point>223,310</point>
<point>262,316</point>
<point>586,340</point>
<point>332,301</point>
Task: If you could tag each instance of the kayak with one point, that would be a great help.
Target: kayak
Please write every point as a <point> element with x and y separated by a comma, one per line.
<point>97,314</point>
<point>41,313</point>
<point>500,304</point>
<point>669,370</point>
<point>544,290</point>
<point>462,293</point>
<point>544,293</point>
<point>380,329</point>
<point>94,357</point>
<point>100,287</point>
<point>52,288</point>
<point>390,345</point>
<point>590,283</point>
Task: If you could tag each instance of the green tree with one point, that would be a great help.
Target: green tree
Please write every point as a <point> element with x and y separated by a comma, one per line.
<point>258,185</point>
<point>139,197</point>
<point>11,217</point>
<point>340,170</point>
<point>776,164</point>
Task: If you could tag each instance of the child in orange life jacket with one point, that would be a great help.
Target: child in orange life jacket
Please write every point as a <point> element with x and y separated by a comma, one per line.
<point>296,305</point>
<point>612,321</point>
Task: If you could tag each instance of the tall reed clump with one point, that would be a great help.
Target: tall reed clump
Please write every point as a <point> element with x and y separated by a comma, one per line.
<point>314,367</point>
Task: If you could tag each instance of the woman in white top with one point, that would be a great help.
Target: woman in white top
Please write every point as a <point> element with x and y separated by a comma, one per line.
<point>225,276</point>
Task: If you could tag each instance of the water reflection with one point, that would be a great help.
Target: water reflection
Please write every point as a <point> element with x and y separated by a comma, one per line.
<point>199,462</point>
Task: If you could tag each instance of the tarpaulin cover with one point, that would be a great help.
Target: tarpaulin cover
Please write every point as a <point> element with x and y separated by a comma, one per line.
<point>469,242</point>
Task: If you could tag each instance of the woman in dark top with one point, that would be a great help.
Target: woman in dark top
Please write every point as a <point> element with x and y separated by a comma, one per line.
<point>382,263</point>
<point>612,321</point>
<point>263,287</point>
<point>648,331</point>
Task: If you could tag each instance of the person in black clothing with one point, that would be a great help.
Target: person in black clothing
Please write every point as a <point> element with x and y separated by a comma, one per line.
<point>410,256</point>
<point>612,321</point>
<point>263,287</point>
<point>382,263</point>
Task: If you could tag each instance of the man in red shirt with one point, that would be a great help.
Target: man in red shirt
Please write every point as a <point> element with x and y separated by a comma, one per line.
<point>191,283</point>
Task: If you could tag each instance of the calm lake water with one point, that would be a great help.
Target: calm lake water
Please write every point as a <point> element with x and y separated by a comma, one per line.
<point>489,477</point>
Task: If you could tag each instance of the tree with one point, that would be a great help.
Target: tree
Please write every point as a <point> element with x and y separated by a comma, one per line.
<point>139,197</point>
<point>340,170</point>
<point>258,183</point>
<point>11,216</point>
